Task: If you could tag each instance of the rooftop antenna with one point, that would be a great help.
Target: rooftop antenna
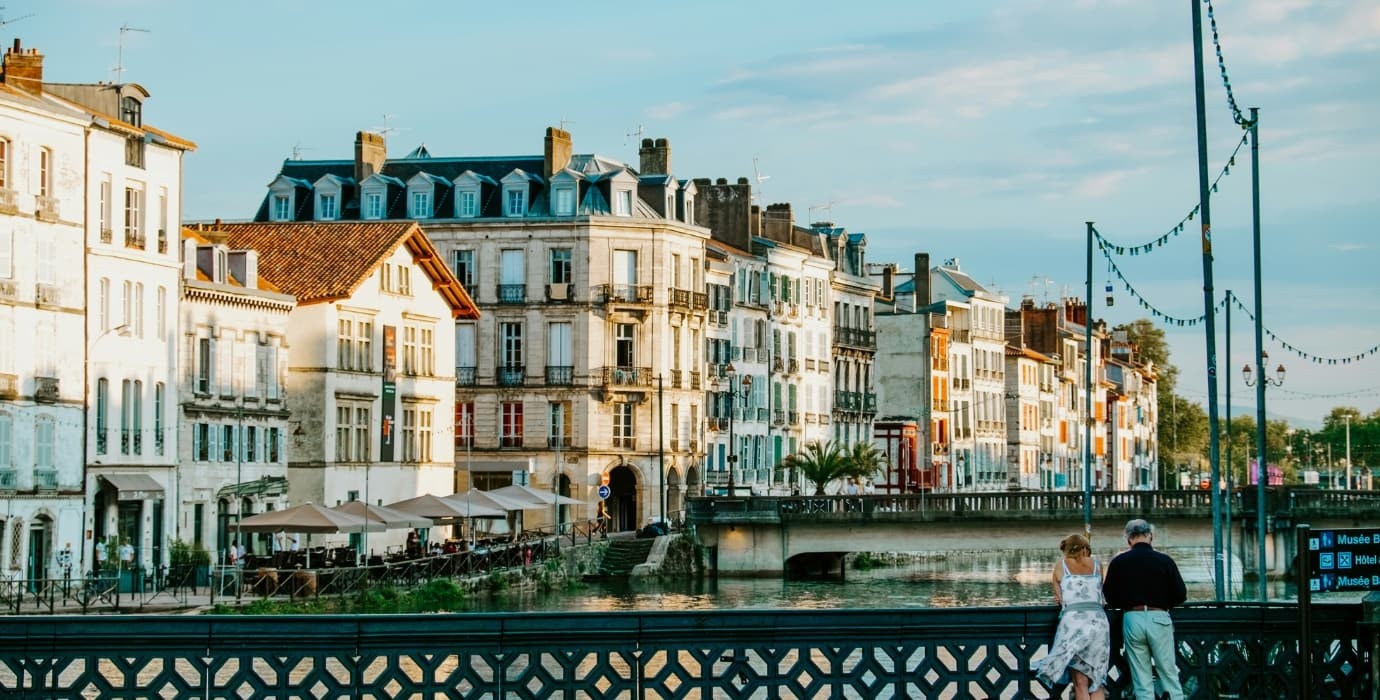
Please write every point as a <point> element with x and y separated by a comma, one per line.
<point>4,21</point>
<point>120,57</point>
<point>759,177</point>
<point>385,130</point>
<point>828,208</point>
<point>297,149</point>
<point>637,134</point>
<point>567,122</point>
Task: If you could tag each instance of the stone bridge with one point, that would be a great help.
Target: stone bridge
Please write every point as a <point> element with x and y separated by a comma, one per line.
<point>772,535</point>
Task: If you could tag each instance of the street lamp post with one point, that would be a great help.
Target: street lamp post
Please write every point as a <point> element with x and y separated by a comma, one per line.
<point>733,395</point>
<point>1349,485</point>
<point>1262,474</point>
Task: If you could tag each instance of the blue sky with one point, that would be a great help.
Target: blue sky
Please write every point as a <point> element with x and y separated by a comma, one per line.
<point>987,131</point>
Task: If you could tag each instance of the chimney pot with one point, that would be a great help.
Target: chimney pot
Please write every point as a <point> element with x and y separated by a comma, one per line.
<point>742,181</point>
<point>646,143</point>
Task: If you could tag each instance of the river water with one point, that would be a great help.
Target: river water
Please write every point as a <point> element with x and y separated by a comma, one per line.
<point>974,579</point>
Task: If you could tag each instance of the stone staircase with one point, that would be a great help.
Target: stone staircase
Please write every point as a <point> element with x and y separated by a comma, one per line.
<point>622,555</point>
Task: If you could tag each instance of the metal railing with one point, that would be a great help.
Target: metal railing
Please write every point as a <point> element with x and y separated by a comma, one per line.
<point>512,293</point>
<point>627,376</point>
<point>626,293</point>
<point>560,375</point>
<point>511,375</point>
<point>464,376</point>
<point>1240,650</point>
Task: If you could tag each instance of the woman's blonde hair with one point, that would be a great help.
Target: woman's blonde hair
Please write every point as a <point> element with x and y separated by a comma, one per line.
<point>1073,544</point>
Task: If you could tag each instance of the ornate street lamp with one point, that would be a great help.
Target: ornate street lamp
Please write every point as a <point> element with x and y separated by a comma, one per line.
<point>733,396</point>
<point>1262,472</point>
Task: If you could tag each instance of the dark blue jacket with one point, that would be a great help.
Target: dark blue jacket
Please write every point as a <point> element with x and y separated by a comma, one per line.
<point>1142,576</point>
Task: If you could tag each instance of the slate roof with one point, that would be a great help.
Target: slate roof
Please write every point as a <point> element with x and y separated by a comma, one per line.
<point>159,135</point>
<point>320,262</point>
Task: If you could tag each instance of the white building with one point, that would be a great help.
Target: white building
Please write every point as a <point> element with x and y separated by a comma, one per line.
<point>232,446</point>
<point>42,156</point>
<point>370,383</point>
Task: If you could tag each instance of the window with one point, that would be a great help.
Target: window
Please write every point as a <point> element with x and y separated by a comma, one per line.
<point>205,360</point>
<point>511,426</point>
<point>4,163</point>
<point>201,442</point>
<point>266,372</point>
<point>373,205</point>
<point>516,201</point>
<point>689,210</point>
<point>354,345</point>
<point>352,432</point>
<point>158,399</point>
<point>327,207</point>
<point>227,443</point>
<point>464,354</point>
<point>134,223</point>
<point>395,278</point>
<point>345,344</point>
<point>102,414</point>
<point>126,401</point>
<point>46,251</point>
<point>625,345</point>
<point>105,212</point>
<point>6,440</point>
<point>464,425</point>
<point>426,346</point>
<point>558,425</point>
<point>139,309</point>
<point>421,205</point>
<point>282,207</point>
<point>161,309</point>
<point>45,172</point>
<point>409,350</point>
<point>623,203</point>
<point>251,443</point>
<point>560,355</point>
<point>409,434</point>
<point>364,346</point>
<point>424,434</point>
<point>136,411</point>
<point>6,253</point>
<point>623,425</point>
<point>468,203</point>
<point>131,111</point>
<point>134,151</point>
<point>462,263</point>
<point>43,442</point>
<point>560,266</point>
<point>565,201</point>
<point>510,335</point>
<point>273,446</point>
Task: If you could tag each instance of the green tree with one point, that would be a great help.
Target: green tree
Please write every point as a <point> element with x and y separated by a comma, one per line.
<point>867,460</point>
<point>822,462</point>
<point>1182,426</point>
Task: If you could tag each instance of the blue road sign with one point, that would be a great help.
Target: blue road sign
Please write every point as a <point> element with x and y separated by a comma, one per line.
<point>604,491</point>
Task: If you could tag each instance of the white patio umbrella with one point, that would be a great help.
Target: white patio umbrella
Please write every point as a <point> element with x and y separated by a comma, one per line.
<point>537,497</point>
<point>308,518</point>
<point>390,519</point>
<point>437,508</point>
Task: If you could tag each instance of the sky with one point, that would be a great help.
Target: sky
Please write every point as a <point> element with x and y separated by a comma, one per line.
<point>983,131</point>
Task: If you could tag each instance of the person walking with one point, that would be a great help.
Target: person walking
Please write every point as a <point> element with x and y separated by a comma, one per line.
<point>1082,646</point>
<point>1146,584</point>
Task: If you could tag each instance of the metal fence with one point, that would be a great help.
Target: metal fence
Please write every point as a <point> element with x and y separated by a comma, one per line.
<point>1241,650</point>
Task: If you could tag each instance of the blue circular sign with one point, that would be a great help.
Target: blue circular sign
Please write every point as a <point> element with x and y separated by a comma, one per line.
<point>604,491</point>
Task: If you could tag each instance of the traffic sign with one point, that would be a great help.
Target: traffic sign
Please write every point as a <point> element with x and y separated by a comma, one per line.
<point>1344,560</point>
<point>604,491</point>
<point>604,479</point>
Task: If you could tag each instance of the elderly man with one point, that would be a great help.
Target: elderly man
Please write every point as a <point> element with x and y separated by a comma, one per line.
<point>1146,584</point>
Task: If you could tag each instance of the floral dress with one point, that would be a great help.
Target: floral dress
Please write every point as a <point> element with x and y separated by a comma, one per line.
<point>1083,639</point>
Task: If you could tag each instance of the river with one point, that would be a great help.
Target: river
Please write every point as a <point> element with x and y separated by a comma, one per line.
<point>975,579</point>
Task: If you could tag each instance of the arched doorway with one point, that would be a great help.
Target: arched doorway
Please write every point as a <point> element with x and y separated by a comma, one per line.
<point>622,501</point>
<point>40,547</point>
<point>675,496</point>
<point>693,487</point>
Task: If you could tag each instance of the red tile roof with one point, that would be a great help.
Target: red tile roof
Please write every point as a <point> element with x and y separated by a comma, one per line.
<point>320,262</point>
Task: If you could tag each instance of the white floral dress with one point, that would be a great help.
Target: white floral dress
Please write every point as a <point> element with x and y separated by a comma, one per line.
<point>1083,639</point>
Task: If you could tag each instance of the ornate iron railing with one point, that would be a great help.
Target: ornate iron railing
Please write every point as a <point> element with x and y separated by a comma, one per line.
<point>1244,650</point>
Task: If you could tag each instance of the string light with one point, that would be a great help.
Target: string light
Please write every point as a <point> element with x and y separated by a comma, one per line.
<point>1178,228</point>
<point>1140,299</point>
<point>1236,114</point>
<point>1315,359</point>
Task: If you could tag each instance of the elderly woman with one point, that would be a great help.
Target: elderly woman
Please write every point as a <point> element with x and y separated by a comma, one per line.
<point>1081,650</point>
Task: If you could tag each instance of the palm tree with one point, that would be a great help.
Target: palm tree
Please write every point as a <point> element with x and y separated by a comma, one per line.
<point>866,459</point>
<point>821,463</point>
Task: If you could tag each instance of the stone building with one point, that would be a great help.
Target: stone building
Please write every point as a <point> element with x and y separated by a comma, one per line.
<point>234,427</point>
<point>370,382</point>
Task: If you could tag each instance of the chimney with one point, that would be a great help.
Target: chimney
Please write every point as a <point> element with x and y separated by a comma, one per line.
<point>558,149</point>
<point>888,281</point>
<point>778,223</point>
<point>922,280</point>
<point>23,70</point>
<point>655,157</point>
<point>370,153</point>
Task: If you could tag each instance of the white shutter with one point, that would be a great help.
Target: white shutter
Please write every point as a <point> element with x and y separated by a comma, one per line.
<point>514,262</point>
<point>224,350</point>
<point>464,345</point>
<point>274,371</point>
<point>559,352</point>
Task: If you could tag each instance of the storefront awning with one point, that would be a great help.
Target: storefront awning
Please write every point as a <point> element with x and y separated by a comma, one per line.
<point>134,487</point>
<point>264,486</point>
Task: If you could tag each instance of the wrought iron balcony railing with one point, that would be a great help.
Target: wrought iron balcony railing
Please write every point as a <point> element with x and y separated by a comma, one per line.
<point>511,375</point>
<point>464,376</point>
<point>512,293</point>
<point>560,375</point>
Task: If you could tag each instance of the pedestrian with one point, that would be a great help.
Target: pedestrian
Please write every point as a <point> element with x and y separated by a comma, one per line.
<point>1082,646</point>
<point>1146,584</point>
<point>127,555</point>
<point>100,555</point>
<point>64,560</point>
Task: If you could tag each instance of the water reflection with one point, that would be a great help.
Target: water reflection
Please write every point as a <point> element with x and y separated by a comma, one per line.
<point>971,579</point>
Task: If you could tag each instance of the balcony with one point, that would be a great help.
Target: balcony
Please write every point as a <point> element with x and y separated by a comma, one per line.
<point>778,417</point>
<point>512,293</point>
<point>718,318</point>
<point>9,201</point>
<point>793,417</point>
<point>625,442</point>
<point>47,295</point>
<point>510,442</point>
<point>511,375</point>
<point>45,389</point>
<point>45,479</point>
<point>694,380</point>
<point>761,414</point>
<point>679,299</point>
<point>869,403</point>
<point>107,235</point>
<point>809,418</point>
<point>9,386</point>
<point>560,375</point>
<point>778,365</point>
<point>675,444</point>
<point>464,376</point>
<point>677,379</point>
<point>809,364</point>
<point>45,208</point>
<point>626,293</point>
<point>553,442</point>
<point>699,301</point>
<point>134,239</point>
<point>9,479</point>
<point>694,446</point>
<point>792,366</point>
<point>627,376</point>
<point>559,291</point>
<point>855,338</point>
<point>847,401</point>
<point>162,240</point>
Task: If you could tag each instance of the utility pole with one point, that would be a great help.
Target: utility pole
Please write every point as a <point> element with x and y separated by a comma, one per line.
<point>1349,485</point>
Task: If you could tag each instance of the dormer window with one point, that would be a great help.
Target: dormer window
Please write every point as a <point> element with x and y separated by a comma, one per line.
<point>373,205</point>
<point>689,210</point>
<point>328,207</point>
<point>282,207</point>
<point>565,201</point>
<point>622,203</point>
<point>132,111</point>
<point>515,202</point>
<point>420,205</point>
<point>467,204</point>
